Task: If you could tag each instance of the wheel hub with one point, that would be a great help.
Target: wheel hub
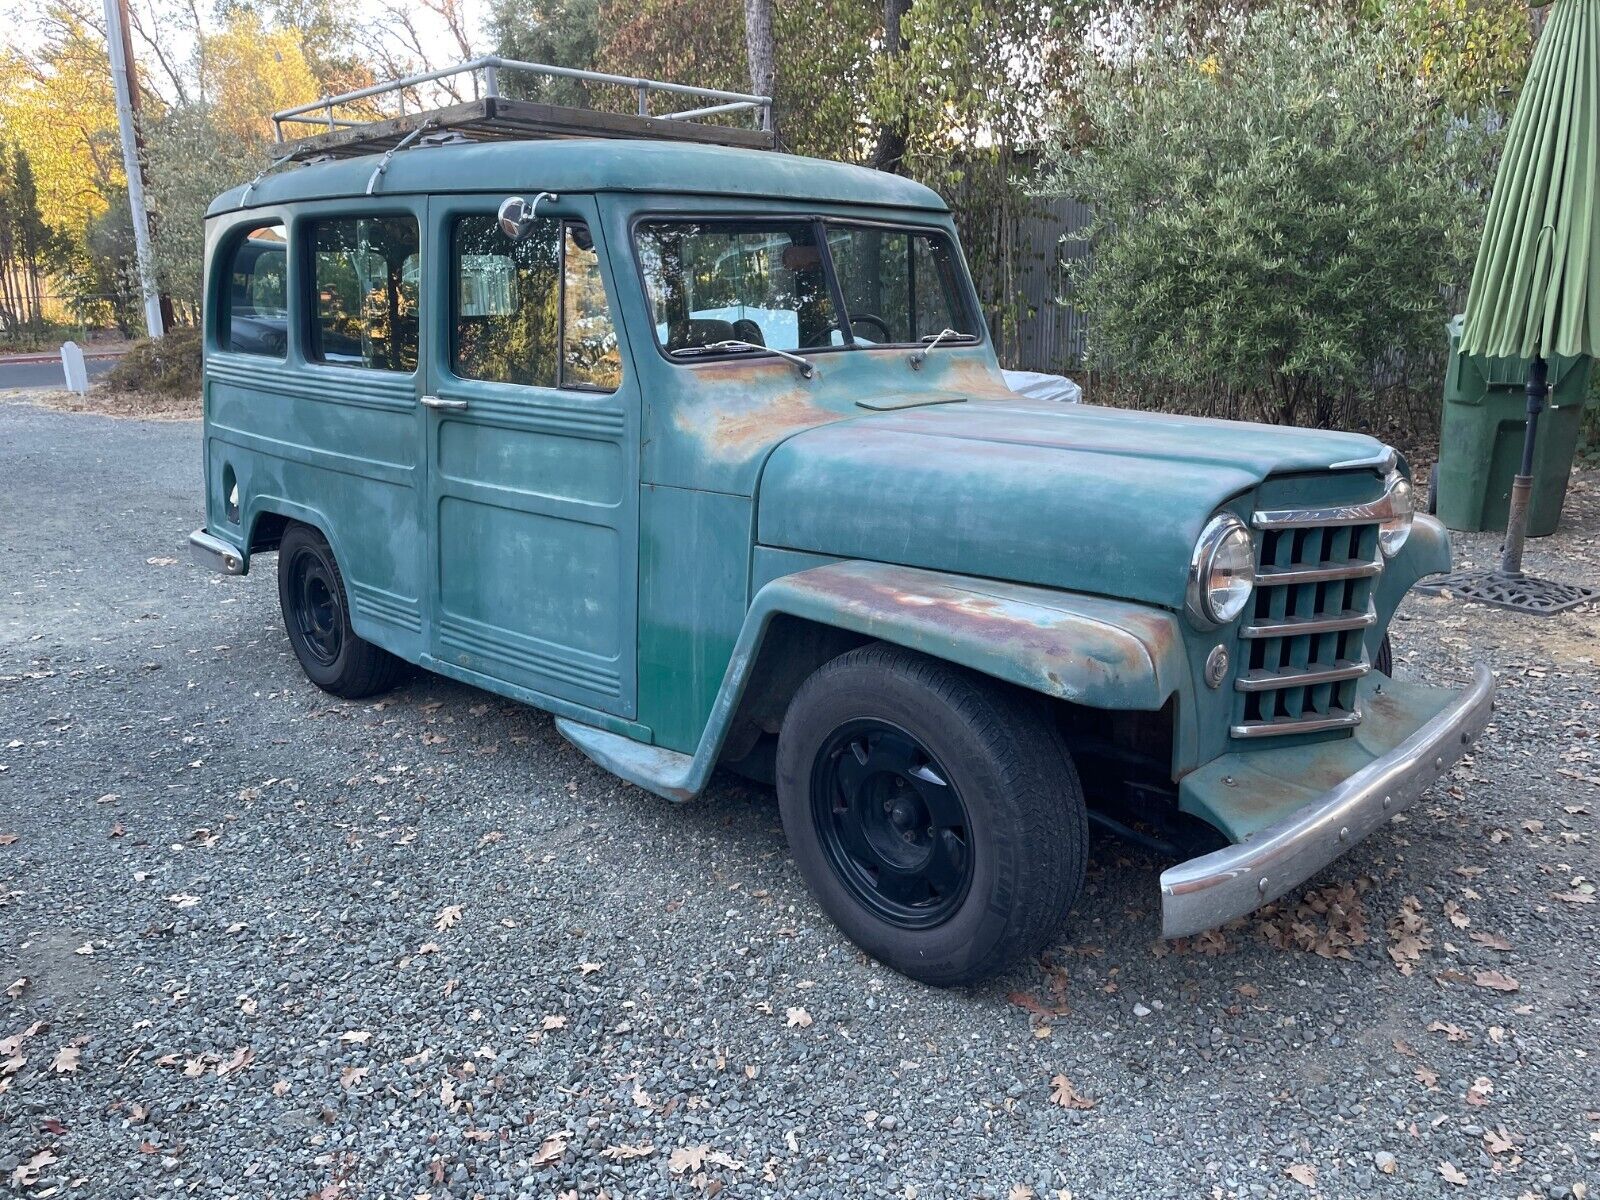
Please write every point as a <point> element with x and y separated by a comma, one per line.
<point>894,828</point>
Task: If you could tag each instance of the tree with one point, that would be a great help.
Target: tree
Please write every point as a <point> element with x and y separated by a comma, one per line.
<point>24,238</point>
<point>564,33</point>
<point>1277,208</point>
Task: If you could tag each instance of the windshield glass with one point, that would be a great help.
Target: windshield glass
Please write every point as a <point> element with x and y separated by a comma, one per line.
<point>755,282</point>
<point>898,286</point>
<point>767,283</point>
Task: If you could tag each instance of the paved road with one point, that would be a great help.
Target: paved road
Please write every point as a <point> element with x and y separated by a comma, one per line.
<point>278,945</point>
<point>45,374</point>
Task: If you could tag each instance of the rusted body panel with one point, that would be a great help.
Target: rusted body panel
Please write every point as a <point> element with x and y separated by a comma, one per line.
<point>1092,651</point>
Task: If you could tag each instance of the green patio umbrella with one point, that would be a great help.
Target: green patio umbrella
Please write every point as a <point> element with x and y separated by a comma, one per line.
<point>1536,286</point>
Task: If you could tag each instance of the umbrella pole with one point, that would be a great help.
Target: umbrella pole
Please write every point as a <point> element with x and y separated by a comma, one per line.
<point>1522,485</point>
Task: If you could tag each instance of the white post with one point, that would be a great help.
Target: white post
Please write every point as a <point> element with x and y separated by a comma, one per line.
<point>117,48</point>
<point>73,368</point>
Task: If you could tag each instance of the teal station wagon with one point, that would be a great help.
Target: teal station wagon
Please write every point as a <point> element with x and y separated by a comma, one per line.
<point>704,449</point>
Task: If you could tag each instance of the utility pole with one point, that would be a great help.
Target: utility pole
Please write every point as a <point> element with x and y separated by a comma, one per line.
<point>123,81</point>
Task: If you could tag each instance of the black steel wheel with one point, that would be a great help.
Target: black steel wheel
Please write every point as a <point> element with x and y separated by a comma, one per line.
<point>892,823</point>
<point>934,813</point>
<point>316,615</point>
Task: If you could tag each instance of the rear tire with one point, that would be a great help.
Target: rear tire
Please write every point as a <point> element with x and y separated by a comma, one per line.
<point>935,814</point>
<point>316,615</point>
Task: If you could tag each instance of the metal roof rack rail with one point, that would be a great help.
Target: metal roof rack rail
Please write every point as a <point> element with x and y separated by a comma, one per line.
<point>491,116</point>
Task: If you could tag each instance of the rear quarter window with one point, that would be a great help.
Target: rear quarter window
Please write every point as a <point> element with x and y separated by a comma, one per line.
<point>254,314</point>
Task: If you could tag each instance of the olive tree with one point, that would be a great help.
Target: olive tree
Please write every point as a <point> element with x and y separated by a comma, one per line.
<point>1280,209</point>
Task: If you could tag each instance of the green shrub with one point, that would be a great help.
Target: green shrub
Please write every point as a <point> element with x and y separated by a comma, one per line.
<point>1280,212</point>
<point>168,366</point>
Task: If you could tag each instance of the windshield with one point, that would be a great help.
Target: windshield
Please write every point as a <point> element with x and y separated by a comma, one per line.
<point>771,284</point>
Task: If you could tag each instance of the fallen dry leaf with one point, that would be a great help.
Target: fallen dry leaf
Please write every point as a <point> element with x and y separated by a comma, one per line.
<point>589,968</point>
<point>1498,1141</point>
<point>1452,1174</point>
<point>799,1018</point>
<point>550,1024</point>
<point>447,917</point>
<point>552,1150</point>
<point>1457,918</point>
<point>687,1158</point>
<point>1454,1032</point>
<point>355,1037</point>
<point>1303,1173</point>
<point>1492,941</point>
<point>351,1076</point>
<point>30,1172</point>
<point>1021,1191</point>
<point>17,988</point>
<point>1496,980</point>
<point>66,1060</point>
<point>1064,1094</point>
<point>625,1152</point>
<point>1573,897</point>
<point>1478,1094</point>
<point>8,839</point>
<point>1427,1076</point>
<point>237,1061</point>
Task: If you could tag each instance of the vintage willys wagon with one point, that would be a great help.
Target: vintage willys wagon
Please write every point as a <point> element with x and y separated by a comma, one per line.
<point>704,449</point>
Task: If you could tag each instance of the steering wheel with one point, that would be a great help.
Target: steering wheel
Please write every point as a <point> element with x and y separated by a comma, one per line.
<point>872,319</point>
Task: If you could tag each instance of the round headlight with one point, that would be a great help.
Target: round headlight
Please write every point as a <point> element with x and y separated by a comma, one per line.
<point>1222,571</point>
<point>1394,530</point>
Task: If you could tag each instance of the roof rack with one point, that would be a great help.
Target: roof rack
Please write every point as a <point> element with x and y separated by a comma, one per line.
<point>491,116</point>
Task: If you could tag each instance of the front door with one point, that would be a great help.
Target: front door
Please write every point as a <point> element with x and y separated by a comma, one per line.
<point>531,427</point>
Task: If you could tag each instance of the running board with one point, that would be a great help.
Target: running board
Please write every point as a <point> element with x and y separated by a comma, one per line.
<point>665,772</point>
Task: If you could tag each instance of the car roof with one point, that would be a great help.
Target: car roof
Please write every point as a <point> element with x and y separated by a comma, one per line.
<point>589,165</point>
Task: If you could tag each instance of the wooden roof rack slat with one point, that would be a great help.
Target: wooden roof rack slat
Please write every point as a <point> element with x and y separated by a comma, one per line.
<point>493,117</point>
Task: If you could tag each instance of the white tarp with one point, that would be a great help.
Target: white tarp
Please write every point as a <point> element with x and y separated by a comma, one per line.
<point>1036,385</point>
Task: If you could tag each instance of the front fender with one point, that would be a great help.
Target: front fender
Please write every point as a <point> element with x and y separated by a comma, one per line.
<point>1086,649</point>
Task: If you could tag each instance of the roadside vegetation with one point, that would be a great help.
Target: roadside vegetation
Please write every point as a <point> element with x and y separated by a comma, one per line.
<point>1275,130</point>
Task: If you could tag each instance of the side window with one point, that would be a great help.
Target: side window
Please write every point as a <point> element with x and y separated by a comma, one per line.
<point>589,353</point>
<point>530,311</point>
<point>365,275</point>
<point>254,318</point>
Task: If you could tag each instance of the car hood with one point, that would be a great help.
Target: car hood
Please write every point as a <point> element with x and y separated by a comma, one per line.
<point>1090,499</point>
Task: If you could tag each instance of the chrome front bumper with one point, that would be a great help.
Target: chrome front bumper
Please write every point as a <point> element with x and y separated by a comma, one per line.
<point>215,553</point>
<point>1213,889</point>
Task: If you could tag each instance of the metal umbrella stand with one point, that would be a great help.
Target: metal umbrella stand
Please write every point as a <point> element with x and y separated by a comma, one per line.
<point>1536,283</point>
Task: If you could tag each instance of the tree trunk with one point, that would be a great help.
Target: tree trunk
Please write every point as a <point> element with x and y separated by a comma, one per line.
<point>889,149</point>
<point>760,50</point>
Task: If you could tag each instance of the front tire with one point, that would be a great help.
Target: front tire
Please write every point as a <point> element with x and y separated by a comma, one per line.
<point>316,615</point>
<point>935,815</point>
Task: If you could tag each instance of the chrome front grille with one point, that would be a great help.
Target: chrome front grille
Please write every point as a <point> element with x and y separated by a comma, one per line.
<point>1303,640</point>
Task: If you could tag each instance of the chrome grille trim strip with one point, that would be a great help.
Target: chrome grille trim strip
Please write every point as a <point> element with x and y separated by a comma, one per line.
<point>1355,568</point>
<point>1261,729</point>
<point>1294,626</point>
<point>1270,681</point>
<point>1370,513</point>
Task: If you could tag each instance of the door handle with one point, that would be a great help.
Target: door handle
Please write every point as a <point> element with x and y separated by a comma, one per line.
<point>442,402</point>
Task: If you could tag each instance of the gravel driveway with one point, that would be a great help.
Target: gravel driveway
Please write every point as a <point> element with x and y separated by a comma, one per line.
<point>272,944</point>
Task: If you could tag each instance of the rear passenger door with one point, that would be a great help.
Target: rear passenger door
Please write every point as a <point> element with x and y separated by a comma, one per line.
<point>531,427</point>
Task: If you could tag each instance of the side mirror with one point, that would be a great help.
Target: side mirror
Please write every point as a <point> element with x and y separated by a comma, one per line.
<point>517,215</point>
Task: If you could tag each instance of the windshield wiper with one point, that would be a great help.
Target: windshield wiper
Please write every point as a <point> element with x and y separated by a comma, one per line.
<point>734,346</point>
<point>933,339</point>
